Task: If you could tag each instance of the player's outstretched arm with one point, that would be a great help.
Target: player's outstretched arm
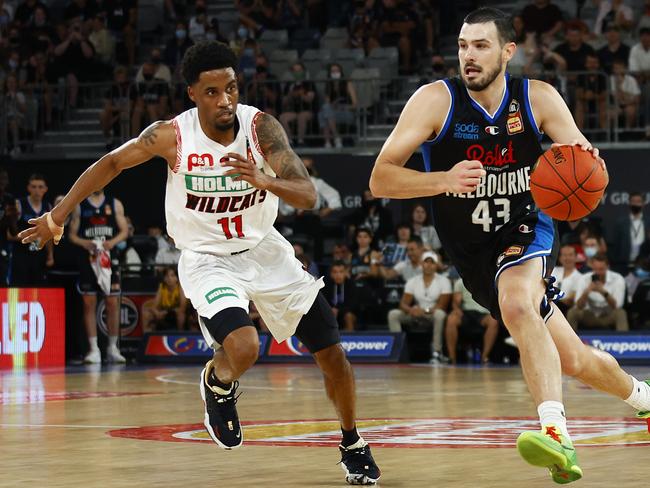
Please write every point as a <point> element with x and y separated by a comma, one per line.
<point>293,184</point>
<point>555,119</point>
<point>159,139</point>
<point>422,118</point>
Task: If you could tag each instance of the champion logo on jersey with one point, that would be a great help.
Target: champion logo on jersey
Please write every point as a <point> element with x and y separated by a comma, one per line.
<point>493,130</point>
<point>524,229</point>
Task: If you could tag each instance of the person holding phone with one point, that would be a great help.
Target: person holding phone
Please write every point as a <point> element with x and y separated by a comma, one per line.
<point>600,297</point>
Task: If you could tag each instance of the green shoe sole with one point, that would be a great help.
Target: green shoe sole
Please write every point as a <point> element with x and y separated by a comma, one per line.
<point>535,448</point>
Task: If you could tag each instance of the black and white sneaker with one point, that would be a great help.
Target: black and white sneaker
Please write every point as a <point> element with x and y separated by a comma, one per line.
<point>359,466</point>
<point>221,419</point>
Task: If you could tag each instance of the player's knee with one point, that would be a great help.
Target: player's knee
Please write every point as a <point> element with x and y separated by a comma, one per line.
<point>332,361</point>
<point>513,311</point>
<point>244,353</point>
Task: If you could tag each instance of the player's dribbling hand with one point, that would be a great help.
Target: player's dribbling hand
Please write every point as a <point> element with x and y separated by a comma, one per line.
<point>42,230</point>
<point>245,170</point>
<point>585,146</point>
<point>464,177</point>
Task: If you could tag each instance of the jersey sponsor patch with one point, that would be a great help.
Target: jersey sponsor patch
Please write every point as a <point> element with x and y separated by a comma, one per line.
<point>466,131</point>
<point>514,125</point>
<point>221,292</point>
<point>514,251</point>
<point>195,160</point>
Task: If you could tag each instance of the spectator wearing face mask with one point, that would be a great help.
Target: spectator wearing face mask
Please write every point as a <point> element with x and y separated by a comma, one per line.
<point>338,108</point>
<point>629,233</point>
<point>176,47</point>
<point>590,248</point>
<point>198,22</point>
<point>161,70</point>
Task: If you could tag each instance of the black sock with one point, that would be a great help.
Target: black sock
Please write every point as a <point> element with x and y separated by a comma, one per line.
<point>214,381</point>
<point>350,437</point>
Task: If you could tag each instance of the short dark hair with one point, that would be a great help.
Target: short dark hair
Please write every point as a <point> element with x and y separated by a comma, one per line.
<point>206,56</point>
<point>602,257</point>
<point>367,230</point>
<point>635,194</point>
<point>502,21</point>
<point>644,30</point>
<point>417,240</point>
<point>36,176</point>
<point>338,262</point>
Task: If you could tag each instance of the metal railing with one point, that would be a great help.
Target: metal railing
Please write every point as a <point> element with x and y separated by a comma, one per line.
<point>307,110</point>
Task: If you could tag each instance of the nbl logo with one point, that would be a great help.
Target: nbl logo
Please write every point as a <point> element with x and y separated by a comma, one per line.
<point>195,160</point>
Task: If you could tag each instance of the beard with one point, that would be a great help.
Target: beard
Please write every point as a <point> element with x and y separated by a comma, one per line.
<point>226,126</point>
<point>481,84</point>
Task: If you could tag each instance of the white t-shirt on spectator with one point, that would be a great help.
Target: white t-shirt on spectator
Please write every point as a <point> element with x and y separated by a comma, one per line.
<point>427,297</point>
<point>629,85</point>
<point>639,59</point>
<point>467,302</point>
<point>605,8</point>
<point>406,269</point>
<point>596,302</point>
<point>567,284</point>
<point>326,197</point>
<point>430,238</point>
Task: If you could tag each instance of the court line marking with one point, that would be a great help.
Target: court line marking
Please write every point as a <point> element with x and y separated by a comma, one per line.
<point>71,426</point>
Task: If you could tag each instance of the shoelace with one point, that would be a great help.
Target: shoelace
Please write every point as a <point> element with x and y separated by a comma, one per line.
<point>229,396</point>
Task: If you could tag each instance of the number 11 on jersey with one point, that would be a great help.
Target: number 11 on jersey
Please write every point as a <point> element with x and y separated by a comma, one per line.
<point>225,226</point>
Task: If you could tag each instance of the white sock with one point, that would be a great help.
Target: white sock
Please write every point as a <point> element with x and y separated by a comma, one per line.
<point>553,413</point>
<point>112,342</point>
<point>640,397</point>
<point>93,344</point>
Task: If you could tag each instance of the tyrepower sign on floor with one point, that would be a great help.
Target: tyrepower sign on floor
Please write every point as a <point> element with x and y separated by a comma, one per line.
<point>33,327</point>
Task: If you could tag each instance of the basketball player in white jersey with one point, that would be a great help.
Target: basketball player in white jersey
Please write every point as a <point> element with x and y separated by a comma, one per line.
<point>228,164</point>
<point>500,262</point>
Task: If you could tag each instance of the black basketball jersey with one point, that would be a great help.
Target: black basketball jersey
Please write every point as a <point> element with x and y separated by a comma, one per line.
<point>508,144</point>
<point>98,222</point>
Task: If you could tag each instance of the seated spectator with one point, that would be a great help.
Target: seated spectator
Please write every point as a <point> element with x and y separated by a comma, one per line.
<point>83,10</point>
<point>626,94</point>
<point>339,291</point>
<point>176,47</point>
<point>364,273</point>
<point>628,234</point>
<point>599,298</point>
<point>341,252</point>
<point>361,28</point>
<point>638,274</point>
<point>25,11</point>
<point>161,70</point>
<point>526,52</point>
<point>103,42</point>
<point>567,277</point>
<point>645,16</point>
<point>168,309</point>
<point>613,51</point>
<point>591,96</point>
<point>639,61</point>
<point>15,108</point>
<point>122,19</point>
<point>74,58</point>
<point>263,89</point>
<point>395,250</point>
<point>466,317</point>
<point>396,26</point>
<point>298,104</point>
<point>248,61</point>
<point>591,246</point>
<point>338,107</point>
<point>425,303</point>
<point>613,12</point>
<point>149,99</point>
<point>130,258</point>
<point>373,215</point>
<point>309,222</point>
<point>542,18</point>
<point>421,225</point>
<point>117,107</point>
<point>307,262</point>
<point>167,253</point>
<point>573,52</point>
<point>198,22</point>
<point>408,268</point>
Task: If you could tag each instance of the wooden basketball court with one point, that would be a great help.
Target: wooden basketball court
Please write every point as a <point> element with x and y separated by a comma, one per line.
<point>141,427</point>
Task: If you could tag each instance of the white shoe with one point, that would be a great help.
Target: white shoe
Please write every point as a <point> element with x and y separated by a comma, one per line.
<point>510,341</point>
<point>93,357</point>
<point>113,355</point>
<point>338,142</point>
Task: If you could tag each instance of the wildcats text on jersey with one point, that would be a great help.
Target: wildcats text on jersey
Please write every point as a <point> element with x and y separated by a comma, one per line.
<point>235,203</point>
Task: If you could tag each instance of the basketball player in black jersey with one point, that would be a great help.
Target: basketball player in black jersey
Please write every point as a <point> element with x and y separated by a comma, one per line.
<point>479,135</point>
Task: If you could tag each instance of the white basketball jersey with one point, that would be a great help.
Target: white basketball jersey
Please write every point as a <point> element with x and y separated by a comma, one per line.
<point>206,211</point>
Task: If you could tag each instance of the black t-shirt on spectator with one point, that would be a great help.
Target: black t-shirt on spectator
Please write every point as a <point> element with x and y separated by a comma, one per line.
<point>594,82</point>
<point>295,101</point>
<point>575,59</point>
<point>608,57</point>
<point>540,20</point>
<point>174,52</point>
<point>117,13</point>
<point>118,93</point>
<point>150,91</point>
<point>73,59</point>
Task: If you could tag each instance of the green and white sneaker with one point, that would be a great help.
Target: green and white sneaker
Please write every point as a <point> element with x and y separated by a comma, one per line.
<point>645,414</point>
<point>551,450</point>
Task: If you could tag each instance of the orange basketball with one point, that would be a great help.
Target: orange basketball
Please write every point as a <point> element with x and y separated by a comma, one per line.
<point>567,183</point>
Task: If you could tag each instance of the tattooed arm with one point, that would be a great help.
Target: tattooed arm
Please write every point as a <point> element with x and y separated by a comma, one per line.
<point>293,184</point>
<point>159,139</point>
